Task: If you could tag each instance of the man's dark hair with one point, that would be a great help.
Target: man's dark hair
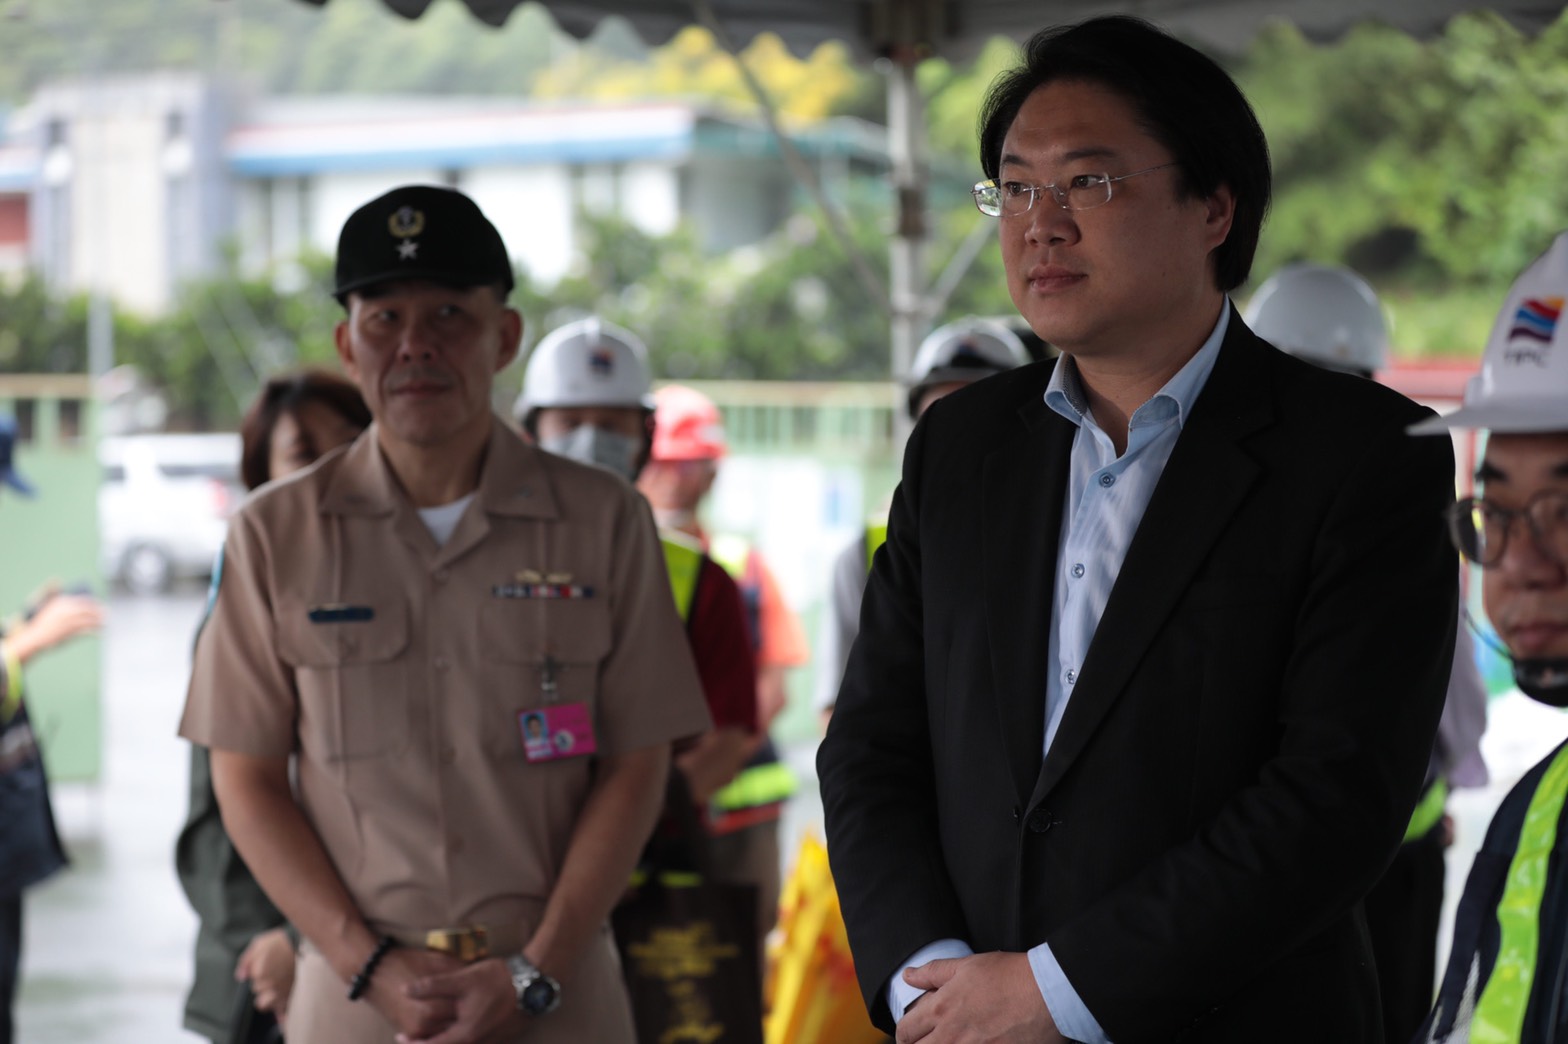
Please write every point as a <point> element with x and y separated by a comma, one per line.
<point>1183,99</point>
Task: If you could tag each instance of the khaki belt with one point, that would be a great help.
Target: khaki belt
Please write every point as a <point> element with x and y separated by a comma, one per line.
<point>470,943</point>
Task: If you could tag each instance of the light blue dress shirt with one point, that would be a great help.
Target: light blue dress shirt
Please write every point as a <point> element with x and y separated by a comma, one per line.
<point>1106,498</point>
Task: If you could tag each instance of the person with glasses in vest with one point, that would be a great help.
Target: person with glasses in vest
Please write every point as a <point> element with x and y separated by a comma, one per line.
<point>587,395</point>
<point>1507,976</point>
<point>951,357</point>
<point>1329,316</point>
<point>688,443</point>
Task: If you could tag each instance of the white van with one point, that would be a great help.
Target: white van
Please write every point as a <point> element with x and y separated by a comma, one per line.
<point>164,506</point>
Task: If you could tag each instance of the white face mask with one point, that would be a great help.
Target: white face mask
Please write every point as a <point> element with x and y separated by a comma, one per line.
<point>674,518</point>
<point>593,445</point>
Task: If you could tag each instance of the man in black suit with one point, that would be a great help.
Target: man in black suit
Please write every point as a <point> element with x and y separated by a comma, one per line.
<point>1150,664</point>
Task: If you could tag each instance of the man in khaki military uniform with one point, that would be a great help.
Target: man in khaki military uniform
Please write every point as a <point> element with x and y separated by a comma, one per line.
<point>472,648</point>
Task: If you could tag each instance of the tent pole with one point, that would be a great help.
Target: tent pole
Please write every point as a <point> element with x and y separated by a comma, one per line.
<point>907,280</point>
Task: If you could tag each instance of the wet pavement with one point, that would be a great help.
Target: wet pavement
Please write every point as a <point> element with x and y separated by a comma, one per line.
<point>108,942</point>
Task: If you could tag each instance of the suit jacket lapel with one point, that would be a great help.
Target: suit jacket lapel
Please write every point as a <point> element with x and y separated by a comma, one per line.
<point>1203,484</point>
<point>1024,487</point>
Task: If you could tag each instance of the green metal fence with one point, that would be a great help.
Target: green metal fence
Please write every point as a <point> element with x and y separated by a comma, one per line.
<point>54,538</point>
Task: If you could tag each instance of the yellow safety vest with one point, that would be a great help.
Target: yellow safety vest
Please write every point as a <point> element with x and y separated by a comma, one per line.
<point>876,536</point>
<point>683,560</point>
<point>1500,1011</point>
<point>1428,810</point>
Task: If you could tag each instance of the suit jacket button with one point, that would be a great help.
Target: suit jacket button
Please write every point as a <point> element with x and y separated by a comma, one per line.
<point>1040,821</point>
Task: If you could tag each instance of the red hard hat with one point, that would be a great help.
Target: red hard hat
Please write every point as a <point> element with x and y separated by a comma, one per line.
<point>687,425</point>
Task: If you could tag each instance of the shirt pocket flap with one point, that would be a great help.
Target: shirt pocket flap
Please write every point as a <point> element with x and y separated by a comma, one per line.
<point>341,639</point>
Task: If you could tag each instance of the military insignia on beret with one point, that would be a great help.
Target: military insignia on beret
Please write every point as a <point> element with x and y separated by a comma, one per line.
<point>406,222</point>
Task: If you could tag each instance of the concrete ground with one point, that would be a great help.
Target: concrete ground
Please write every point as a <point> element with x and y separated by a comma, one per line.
<point>108,943</point>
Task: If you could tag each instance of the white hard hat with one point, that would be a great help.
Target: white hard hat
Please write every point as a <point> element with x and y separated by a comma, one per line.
<point>1523,384</point>
<point>588,362</point>
<point>964,350</point>
<point>1323,314</point>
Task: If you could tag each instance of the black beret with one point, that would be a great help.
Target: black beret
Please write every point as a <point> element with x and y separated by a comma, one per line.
<point>420,232</point>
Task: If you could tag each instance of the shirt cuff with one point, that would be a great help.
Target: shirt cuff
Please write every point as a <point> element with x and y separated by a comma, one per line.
<point>900,995</point>
<point>1072,1018</point>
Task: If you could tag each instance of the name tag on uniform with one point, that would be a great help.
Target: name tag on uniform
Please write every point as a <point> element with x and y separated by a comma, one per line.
<point>560,730</point>
<point>551,591</point>
<point>341,613</point>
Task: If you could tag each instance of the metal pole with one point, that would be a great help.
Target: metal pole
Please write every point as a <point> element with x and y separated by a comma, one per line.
<point>907,273</point>
<point>100,333</point>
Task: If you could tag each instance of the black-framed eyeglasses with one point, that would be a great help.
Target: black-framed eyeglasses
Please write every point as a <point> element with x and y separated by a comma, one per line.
<point>1480,529</point>
<point>1079,192</point>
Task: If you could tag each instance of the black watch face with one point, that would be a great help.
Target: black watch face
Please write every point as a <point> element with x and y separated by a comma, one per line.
<point>540,996</point>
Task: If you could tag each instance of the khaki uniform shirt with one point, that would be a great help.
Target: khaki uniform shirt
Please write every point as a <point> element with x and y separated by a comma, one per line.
<point>396,669</point>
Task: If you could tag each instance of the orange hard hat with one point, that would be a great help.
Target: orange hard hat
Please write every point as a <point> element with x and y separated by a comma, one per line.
<point>686,425</point>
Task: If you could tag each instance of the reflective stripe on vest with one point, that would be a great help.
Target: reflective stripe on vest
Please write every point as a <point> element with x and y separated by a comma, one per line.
<point>876,536</point>
<point>759,785</point>
<point>1499,1014</point>
<point>1428,811</point>
<point>683,560</point>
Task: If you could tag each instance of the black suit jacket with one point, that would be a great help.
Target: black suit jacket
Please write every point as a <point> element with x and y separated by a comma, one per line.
<point>1245,742</point>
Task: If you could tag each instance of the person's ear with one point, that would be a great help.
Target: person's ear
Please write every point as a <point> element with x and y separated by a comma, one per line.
<point>1219,213</point>
<point>511,337</point>
<point>343,340</point>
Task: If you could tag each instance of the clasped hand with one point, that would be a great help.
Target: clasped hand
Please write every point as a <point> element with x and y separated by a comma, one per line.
<point>986,998</point>
<point>479,996</point>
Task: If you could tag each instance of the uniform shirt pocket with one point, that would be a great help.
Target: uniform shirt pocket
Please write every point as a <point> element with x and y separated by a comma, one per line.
<point>514,638</point>
<point>352,676</point>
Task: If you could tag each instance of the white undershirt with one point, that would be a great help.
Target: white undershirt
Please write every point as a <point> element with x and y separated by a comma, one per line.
<point>441,521</point>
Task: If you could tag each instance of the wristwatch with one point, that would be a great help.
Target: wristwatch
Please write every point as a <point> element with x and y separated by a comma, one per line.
<point>537,993</point>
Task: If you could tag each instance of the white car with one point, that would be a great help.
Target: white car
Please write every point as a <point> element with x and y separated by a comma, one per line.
<point>164,506</point>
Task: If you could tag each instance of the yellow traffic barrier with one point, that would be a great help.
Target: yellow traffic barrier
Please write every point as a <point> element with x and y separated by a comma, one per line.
<point>812,995</point>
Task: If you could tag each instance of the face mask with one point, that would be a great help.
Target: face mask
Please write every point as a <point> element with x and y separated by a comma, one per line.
<point>1544,679</point>
<point>593,445</point>
<point>674,518</point>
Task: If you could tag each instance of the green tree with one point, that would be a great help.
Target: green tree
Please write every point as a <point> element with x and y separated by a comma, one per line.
<point>692,65</point>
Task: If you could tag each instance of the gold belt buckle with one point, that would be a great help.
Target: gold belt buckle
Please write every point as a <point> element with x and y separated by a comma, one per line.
<point>466,944</point>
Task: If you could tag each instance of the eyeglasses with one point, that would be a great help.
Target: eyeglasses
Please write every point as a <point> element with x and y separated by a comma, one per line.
<point>1081,192</point>
<point>1480,529</point>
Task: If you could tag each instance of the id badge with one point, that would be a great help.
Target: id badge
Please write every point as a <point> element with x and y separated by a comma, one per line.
<point>556,731</point>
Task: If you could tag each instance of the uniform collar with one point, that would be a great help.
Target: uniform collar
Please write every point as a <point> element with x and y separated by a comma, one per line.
<point>512,482</point>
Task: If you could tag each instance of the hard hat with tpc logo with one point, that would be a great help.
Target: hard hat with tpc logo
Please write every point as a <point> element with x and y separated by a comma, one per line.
<point>1523,384</point>
<point>588,362</point>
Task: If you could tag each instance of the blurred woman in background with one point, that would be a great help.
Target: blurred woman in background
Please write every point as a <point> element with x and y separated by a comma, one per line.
<point>242,939</point>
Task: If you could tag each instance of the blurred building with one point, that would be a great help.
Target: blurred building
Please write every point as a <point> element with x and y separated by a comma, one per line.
<point>131,185</point>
